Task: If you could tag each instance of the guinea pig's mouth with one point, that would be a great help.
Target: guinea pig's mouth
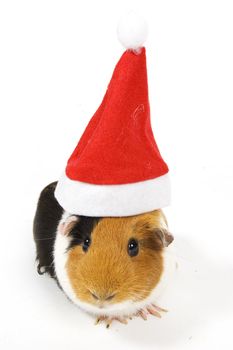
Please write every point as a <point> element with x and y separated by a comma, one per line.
<point>102,304</point>
<point>102,300</point>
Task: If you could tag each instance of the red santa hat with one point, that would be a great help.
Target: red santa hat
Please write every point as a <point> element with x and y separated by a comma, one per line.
<point>116,168</point>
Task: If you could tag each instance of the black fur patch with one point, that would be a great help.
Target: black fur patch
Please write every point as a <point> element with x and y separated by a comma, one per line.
<point>47,216</point>
<point>82,229</point>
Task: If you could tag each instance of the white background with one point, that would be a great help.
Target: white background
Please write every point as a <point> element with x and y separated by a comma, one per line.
<point>56,58</point>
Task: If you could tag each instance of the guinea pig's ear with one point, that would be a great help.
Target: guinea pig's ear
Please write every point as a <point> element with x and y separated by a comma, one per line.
<point>66,226</point>
<point>164,236</point>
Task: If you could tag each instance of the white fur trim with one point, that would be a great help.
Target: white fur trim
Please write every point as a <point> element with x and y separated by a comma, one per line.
<point>120,309</point>
<point>82,198</point>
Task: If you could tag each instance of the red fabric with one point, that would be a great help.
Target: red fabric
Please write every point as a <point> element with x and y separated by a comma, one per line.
<point>118,146</point>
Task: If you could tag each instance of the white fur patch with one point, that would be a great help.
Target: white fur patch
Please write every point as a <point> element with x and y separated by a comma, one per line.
<point>60,258</point>
<point>119,309</point>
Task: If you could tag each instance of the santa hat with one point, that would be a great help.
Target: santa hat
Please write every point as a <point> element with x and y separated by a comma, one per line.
<point>116,168</point>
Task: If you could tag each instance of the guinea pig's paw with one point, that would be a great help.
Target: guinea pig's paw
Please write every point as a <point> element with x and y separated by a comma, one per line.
<point>150,310</point>
<point>41,269</point>
<point>108,320</point>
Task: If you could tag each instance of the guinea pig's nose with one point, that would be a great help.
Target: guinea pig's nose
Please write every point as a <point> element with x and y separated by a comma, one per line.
<point>103,297</point>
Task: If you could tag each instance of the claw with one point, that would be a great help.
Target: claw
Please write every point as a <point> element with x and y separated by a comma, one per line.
<point>141,313</point>
<point>108,323</point>
<point>153,312</point>
<point>121,320</point>
<point>158,308</point>
<point>100,319</point>
<point>97,321</point>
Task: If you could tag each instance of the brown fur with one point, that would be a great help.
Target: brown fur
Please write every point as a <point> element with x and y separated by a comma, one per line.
<point>106,269</point>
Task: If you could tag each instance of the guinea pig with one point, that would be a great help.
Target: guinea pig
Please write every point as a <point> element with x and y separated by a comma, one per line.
<point>111,267</point>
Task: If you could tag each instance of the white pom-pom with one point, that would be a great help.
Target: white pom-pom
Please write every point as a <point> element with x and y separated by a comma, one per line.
<point>132,31</point>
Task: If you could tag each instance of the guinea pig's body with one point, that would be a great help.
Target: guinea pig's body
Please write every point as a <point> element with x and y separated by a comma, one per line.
<point>112,267</point>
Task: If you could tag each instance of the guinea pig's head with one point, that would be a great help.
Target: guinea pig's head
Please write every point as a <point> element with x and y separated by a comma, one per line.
<point>115,261</point>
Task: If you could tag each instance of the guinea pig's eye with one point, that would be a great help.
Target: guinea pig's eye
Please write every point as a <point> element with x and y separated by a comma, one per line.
<point>133,247</point>
<point>86,244</point>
